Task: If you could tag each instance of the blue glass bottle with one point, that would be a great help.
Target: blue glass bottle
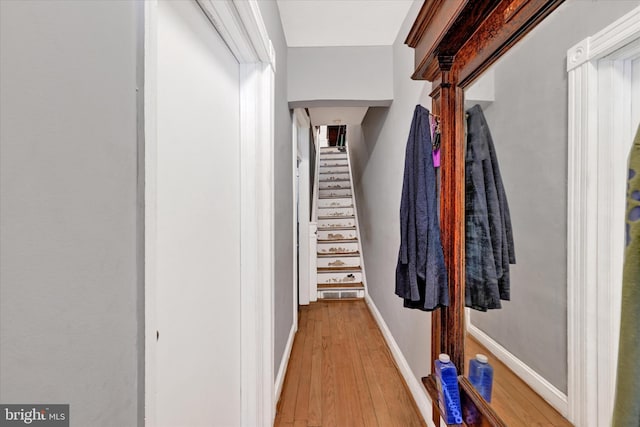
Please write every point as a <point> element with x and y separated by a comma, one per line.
<point>481,376</point>
<point>447,380</point>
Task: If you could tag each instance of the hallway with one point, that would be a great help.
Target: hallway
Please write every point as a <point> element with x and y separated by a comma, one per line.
<point>341,372</point>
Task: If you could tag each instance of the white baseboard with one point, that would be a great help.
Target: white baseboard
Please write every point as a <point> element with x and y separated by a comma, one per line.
<point>417,390</point>
<point>284,363</point>
<point>544,388</point>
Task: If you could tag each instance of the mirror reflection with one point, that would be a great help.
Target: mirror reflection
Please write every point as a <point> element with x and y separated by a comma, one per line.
<point>516,217</point>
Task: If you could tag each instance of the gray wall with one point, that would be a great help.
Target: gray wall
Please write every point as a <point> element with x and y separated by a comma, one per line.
<point>68,234</point>
<point>340,73</point>
<point>283,185</point>
<point>377,149</point>
<point>528,121</point>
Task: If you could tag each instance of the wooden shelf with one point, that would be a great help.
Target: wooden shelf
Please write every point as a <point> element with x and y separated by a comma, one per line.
<point>476,411</point>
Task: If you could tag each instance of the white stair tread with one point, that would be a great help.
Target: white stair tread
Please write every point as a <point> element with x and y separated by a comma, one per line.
<point>348,255</point>
<point>346,269</point>
<point>341,287</point>
<point>339,250</point>
<point>335,196</point>
<point>339,241</point>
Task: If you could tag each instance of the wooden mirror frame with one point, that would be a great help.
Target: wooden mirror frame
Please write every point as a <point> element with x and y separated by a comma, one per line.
<point>454,42</point>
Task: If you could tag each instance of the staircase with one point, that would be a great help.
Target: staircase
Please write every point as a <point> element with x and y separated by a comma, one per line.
<point>339,258</point>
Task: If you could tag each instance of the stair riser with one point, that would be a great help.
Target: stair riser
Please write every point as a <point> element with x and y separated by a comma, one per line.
<point>339,278</point>
<point>337,248</point>
<point>335,203</point>
<point>336,223</point>
<point>334,212</point>
<point>333,170</point>
<point>329,150</point>
<point>339,262</point>
<point>335,192</point>
<point>333,164</point>
<point>333,156</point>
<point>337,235</point>
<point>340,185</point>
<point>334,177</point>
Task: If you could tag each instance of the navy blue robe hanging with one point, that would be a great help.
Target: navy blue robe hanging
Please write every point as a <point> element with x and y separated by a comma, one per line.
<point>421,275</point>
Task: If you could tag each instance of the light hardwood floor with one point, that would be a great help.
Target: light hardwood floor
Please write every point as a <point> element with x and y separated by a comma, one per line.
<point>341,372</point>
<point>514,401</point>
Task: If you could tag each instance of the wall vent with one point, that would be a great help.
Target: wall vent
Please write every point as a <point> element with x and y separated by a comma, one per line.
<point>345,294</point>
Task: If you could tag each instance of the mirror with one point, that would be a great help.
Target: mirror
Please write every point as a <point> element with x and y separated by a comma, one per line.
<point>522,102</point>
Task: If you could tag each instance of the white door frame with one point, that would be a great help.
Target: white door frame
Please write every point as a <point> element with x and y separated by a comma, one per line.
<point>240,25</point>
<point>296,161</point>
<point>302,126</point>
<point>600,134</point>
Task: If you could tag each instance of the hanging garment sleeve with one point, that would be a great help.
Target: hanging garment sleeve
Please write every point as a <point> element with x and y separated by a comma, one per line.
<point>627,402</point>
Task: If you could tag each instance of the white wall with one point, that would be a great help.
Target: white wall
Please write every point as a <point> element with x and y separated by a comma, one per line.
<point>377,149</point>
<point>529,127</point>
<point>362,73</point>
<point>283,185</point>
<point>68,218</point>
<point>198,222</point>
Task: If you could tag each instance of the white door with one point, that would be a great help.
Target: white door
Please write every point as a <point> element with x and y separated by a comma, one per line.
<point>197,361</point>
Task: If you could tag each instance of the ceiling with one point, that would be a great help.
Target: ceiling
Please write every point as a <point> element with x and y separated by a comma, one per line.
<point>313,23</point>
<point>337,115</point>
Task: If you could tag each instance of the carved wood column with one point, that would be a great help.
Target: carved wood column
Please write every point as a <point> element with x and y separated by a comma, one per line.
<point>452,202</point>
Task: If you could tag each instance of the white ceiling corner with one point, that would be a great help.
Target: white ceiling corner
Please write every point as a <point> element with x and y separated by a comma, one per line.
<point>315,23</point>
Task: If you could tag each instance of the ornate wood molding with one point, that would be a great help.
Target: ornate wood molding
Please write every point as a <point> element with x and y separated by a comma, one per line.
<point>475,32</point>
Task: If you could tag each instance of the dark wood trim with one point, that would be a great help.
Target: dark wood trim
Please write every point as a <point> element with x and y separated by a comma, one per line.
<point>436,25</point>
<point>337,241</point>
<point>349,285</point>
<point>488,28</point>
<point>340,270</point>
<point>451,104</point>
<point>509,22</point>
<point>425,16</point>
